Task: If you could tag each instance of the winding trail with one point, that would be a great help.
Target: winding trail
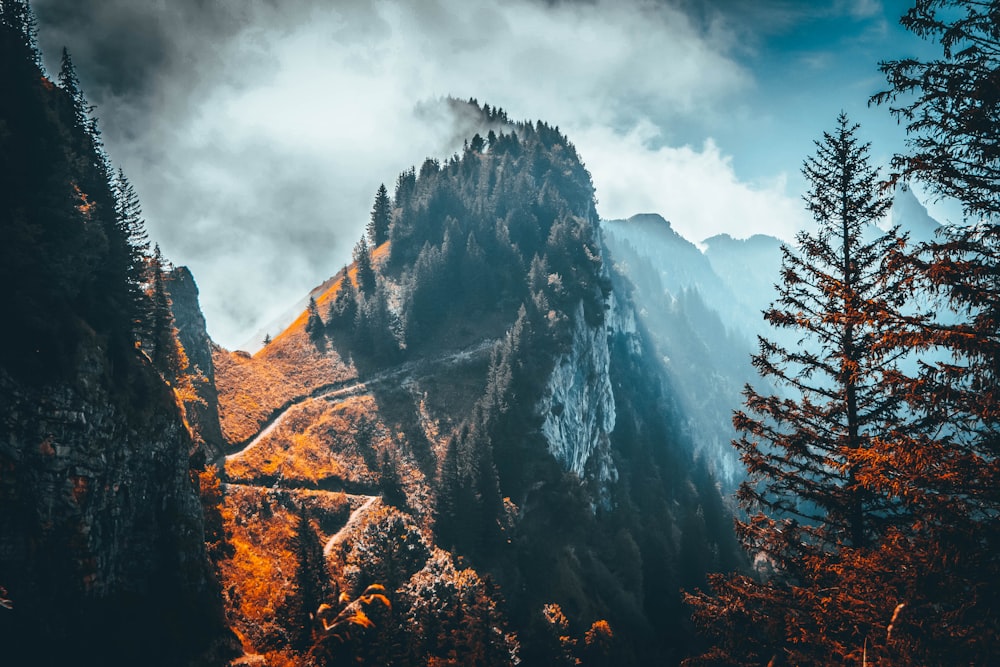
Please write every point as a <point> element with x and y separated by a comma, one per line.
<point>352,521</point>
<point>340,390</point>
<point>356,387</point>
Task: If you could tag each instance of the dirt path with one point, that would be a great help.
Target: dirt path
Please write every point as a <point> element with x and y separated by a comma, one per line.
<point>355,518</point>
<point>353,388</point>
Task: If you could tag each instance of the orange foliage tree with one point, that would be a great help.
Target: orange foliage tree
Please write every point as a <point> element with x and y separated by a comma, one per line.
<point>947,464</point>
<point>813,520</point>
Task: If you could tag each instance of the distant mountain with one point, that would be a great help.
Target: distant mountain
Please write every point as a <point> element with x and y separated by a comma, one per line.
<point>749,269</point>
<point>705,310</point>
<point>700,325</point>
<point>912,216</point>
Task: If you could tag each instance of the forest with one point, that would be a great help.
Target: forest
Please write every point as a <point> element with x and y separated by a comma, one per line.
<point>466,451</point>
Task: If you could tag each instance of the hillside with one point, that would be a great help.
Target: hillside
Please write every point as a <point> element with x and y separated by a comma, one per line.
<point>473,425</point>
<point>102,553</point>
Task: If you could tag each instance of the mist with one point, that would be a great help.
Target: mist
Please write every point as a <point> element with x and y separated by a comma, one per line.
<point>257,135</point>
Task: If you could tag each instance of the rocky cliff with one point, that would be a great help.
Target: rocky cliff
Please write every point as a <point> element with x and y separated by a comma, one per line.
<point>102,553</point>
<point>101,539</point>
<point>202,411</point>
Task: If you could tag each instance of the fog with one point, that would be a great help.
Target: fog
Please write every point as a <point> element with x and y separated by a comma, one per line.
<point>257,132</point>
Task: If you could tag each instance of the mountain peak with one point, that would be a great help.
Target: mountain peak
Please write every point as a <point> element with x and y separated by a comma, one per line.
<point>912,216</point>
<point>649,219</point>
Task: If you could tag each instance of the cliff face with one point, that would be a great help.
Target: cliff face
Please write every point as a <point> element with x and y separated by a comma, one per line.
<point>578,406</point>
<point>102,556</point>
<point>203,412</point>
<point>101,539</point>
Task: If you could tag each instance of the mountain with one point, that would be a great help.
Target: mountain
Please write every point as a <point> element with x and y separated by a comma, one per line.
<point>473,424</point>
<point>102,551</point>
<point>698,327</point>
<point>705,312</point>
<point>912,216</point>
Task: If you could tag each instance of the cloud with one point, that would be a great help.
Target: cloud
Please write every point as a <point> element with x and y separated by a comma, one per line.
<point>695,188</point>
<point>257,135</point>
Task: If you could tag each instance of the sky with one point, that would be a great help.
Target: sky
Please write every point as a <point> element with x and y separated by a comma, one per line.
<point>256,132</point>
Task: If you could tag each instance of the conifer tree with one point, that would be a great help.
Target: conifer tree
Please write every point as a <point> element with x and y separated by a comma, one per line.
<point>70,82</point>
<point>950,105</point>
<point>344,307</point>
<point>166,352</point>
<point>366,273</point>
<point>16,16</point>
<point>378,225</point>
<point>312,581</point>
<point>813,518</point>
<point>947,464</point>
<point>131,230</point>
<point>314,325</point>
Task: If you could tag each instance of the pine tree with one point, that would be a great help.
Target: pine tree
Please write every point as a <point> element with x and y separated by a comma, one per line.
<point>312,580</point>
<point>344,307</point>
<point>16,16</point>
<point>950,106</point>
<point>99,173</point>
<point>70,82</point>
<point>813,517</point>
<point>947,465</point>
<point>314,324</point>
<point>378,225</point>
<point>366,273</point>
<point>165,351</point>
<point>131,229</point>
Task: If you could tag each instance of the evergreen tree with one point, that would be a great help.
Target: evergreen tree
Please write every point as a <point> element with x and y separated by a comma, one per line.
<point>70,83</point>
<point>344,307</point>
<point>378,225</point>
<point>311,578</point>
<point>365,271</point>
<point>267,339</point>
<point>314,325</point>
<point>16,16</point>
<point>131,229</point>
<point>813,517</point>
<point>406,185</point>
<point>99,172</point>
<point>950,105</point>
<point>947,465</point>
<point>165,351</point>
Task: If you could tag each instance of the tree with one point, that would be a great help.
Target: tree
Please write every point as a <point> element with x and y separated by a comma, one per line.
<point>16,15</point>
<point>344,307</point>
<point>365,271</point>
<point>812,516</point>
<point>314,324</point>
<point>165,350</point>
<point>70,82</point>
<point>312,580</point>
<point>947,464</point>
<point>951,106</point>
<point>131,230</point>
<point>378,226</point>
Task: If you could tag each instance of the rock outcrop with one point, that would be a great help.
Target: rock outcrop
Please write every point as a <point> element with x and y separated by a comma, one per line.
<point>203,413</point>
<point>101,539</point>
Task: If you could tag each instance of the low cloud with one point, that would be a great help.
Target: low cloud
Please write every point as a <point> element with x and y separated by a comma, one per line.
<point>695,188</point>
<point>257,137</point>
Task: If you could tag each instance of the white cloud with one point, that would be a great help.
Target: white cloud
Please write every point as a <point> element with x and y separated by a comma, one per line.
<point>257,165</point>
<point>695,188</point>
